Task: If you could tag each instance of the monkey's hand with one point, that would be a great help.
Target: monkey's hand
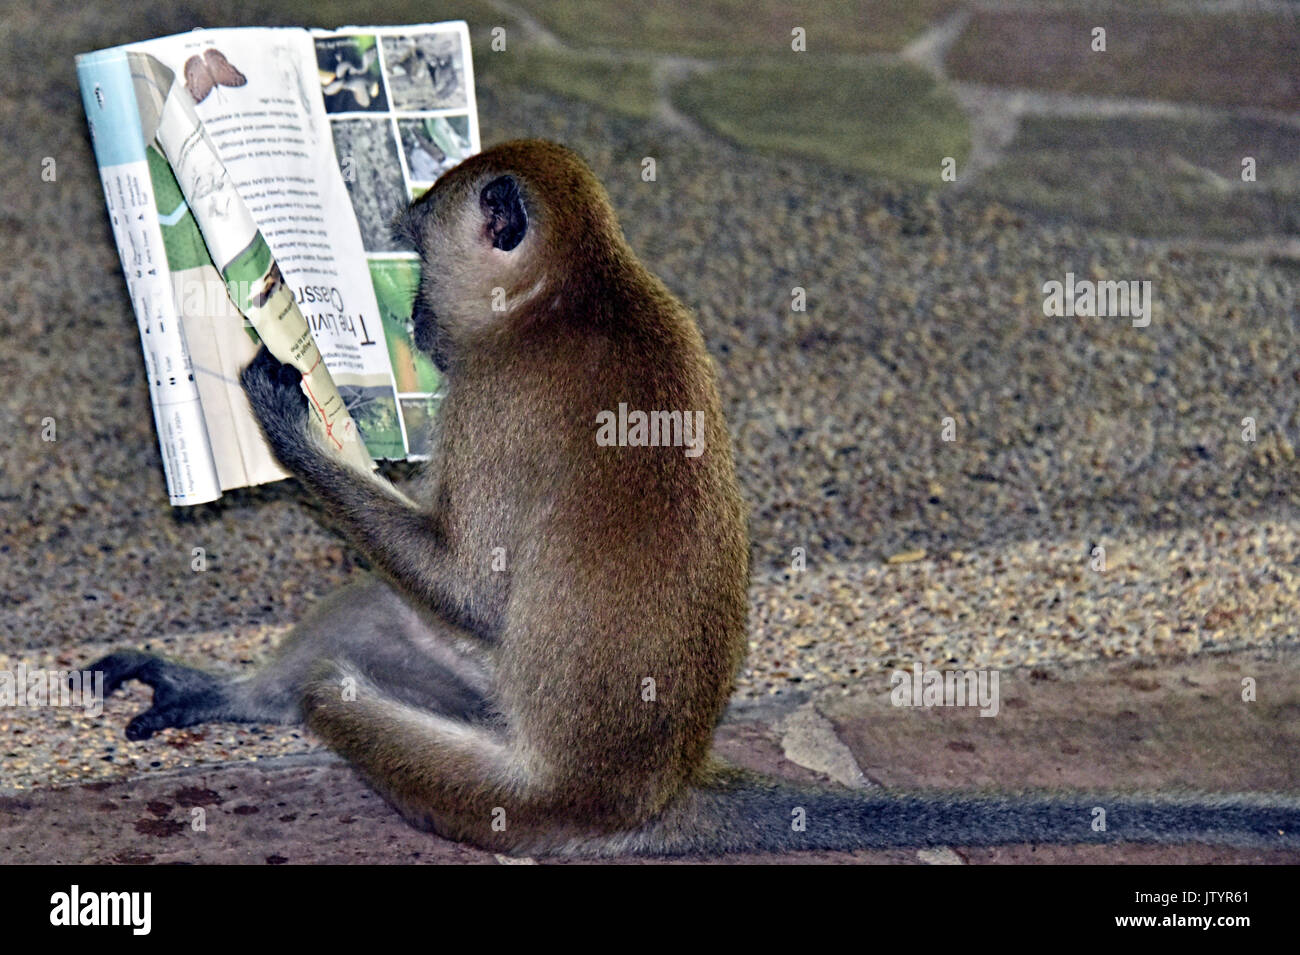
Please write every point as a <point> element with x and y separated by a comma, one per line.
<point>401,540</point>
<point>275,393</point>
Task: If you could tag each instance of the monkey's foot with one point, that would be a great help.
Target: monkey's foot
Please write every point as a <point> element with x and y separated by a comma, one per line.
<point>182,696</point>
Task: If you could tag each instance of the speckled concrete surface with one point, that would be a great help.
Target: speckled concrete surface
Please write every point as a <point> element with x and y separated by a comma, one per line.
<point>1069,433</point>
<point>1127,724</point>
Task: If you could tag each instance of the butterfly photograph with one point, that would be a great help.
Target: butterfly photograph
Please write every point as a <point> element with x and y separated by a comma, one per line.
<point>205,73</point>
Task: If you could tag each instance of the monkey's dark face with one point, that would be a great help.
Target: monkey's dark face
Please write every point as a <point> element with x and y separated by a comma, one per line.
<point>429,337</point>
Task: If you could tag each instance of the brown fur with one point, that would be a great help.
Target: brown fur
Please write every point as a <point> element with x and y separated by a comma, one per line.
<point>624,563</point>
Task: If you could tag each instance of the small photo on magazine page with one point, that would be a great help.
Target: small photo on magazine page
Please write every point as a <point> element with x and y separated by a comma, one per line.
<point>419,411</point>
<point>395,282</point>
<point>433,144</point>
<point>350,78</point>
<point>425,71</point>
<point>367,154</point>
<point>373,406</point>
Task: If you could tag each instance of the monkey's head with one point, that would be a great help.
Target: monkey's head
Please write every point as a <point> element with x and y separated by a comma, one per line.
<point>519,233</point>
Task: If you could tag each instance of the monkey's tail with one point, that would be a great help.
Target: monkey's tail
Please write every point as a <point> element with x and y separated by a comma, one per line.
<point>739,811</point>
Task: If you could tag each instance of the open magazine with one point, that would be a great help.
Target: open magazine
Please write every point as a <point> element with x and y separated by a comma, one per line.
<point>252,176</point>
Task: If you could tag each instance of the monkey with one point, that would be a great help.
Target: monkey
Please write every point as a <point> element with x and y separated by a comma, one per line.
<point>554,625</point>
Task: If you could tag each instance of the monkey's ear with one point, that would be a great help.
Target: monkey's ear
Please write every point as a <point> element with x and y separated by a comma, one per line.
<point>503,210</point>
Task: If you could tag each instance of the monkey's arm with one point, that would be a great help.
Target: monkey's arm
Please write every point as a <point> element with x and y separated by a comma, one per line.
<point>402,541</point>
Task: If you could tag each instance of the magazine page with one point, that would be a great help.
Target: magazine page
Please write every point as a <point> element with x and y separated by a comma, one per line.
<point>214,331</point>
<point>258,96</point>
<point>127,168</point>
<point>401,109</point>
<point>252,277</point>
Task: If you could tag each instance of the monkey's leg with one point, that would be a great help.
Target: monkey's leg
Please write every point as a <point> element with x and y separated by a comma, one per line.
<point>462,781</point>
<point>415,658</point>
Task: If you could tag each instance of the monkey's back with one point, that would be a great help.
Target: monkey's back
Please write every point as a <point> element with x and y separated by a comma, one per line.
<point>623,622</point>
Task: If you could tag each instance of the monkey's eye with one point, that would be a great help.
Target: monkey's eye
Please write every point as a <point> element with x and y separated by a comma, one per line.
<point>505,219</point>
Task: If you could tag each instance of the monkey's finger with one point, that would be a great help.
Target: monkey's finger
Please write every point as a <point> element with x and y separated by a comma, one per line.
<point>266,374</point>
<point>263,363</point>
<point>289,374</point>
